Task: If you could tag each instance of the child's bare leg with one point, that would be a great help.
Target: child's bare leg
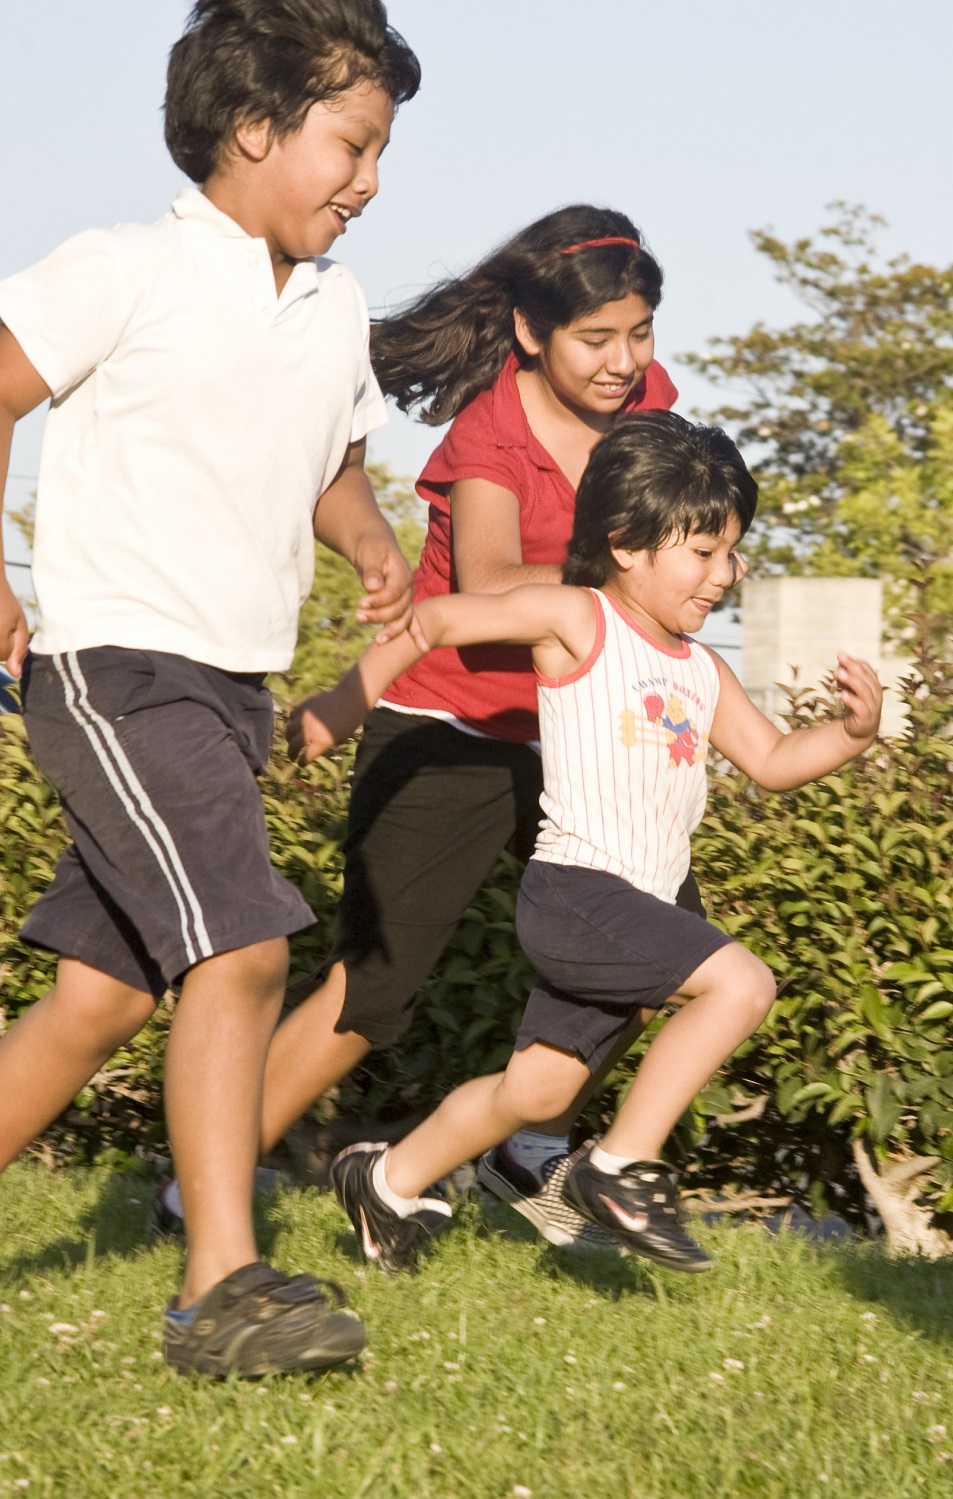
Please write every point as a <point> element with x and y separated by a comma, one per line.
<point>307,1056</point>
<point>728,997</point>
<point>215,1066</point>
<point>57,1045</point>
<point>630,1035</point>
<point>538,1084</point>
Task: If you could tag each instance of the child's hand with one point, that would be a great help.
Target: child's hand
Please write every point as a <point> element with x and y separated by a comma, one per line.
<point>739,568</point>
<point>384,573</point>
<point>14,630</point>
<point>310,727</point>
<point>861,694</point>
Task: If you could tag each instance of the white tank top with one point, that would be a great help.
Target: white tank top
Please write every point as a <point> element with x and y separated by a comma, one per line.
<point>624,741</point>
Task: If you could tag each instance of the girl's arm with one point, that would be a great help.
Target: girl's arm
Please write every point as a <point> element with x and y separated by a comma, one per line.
<point>21,389</point>
<point>560,624</point>
<point>779,761</point>
<point>347,519</point>
<point>487,545</point>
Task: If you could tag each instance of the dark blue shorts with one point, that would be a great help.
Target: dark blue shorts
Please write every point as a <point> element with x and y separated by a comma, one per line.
<point>154,758</point>
<point>603,951</point>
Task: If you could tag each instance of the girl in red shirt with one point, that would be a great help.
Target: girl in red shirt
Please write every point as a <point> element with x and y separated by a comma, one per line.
<point>533,354</point>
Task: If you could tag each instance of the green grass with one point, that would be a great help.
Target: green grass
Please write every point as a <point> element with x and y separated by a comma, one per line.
<point>503,1367</point>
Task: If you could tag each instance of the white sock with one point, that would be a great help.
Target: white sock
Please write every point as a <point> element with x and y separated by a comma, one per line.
<point>172,1197</point>
<point>403,1206</point>
<point>530,1149</point>
<point>612,1165</point>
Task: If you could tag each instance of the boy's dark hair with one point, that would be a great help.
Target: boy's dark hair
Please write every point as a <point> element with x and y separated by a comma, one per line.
<point>452,342</point>
<point>271,60</point>
<point>655,477</point>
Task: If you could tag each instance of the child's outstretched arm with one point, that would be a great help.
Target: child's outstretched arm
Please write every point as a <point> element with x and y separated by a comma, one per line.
<point>348,520</point>
<point>780,761</point>
<point>21,389</point>
<point>560,624</point>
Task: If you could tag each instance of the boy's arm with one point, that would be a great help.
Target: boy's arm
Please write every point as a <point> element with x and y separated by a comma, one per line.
<point>779,761</point>
<point>347,519</point>
<point>559,622</point>
<point>21,389</point>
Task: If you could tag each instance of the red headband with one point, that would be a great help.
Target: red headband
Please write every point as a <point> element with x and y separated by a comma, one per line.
<point>591,244</point>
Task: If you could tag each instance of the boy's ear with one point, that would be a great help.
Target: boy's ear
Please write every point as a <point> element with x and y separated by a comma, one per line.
<point>524,336</point>
<point>253,138</point>
<point>623,557</point>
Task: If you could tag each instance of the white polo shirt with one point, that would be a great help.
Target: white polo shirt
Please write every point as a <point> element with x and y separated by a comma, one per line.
<point>197,416</point>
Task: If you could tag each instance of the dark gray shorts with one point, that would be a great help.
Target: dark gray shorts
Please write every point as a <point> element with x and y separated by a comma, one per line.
<point>154,758</point>
<point>603,951</point>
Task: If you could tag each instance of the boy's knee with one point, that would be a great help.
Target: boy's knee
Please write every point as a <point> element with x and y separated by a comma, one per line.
<point>100,1007</point>
<point>760,989</point>
<point>260,969</point>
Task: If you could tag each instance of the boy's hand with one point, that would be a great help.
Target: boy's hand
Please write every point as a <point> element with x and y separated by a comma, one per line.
<point>14,630</point>
<point>388,600</point>
<point>861,694</point>
<point>310,727</point>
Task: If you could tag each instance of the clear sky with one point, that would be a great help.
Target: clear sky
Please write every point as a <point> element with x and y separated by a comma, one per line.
<point>702,119</point>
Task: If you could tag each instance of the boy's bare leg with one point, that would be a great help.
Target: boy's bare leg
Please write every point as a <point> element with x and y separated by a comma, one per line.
<point>307,1056</point>
<point>537,1084</point>
<point>58,1044</point>
<point>215,1066</point>
<point>729,996</point>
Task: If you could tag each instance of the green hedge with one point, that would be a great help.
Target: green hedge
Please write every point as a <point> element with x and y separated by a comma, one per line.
<point>843,887</point>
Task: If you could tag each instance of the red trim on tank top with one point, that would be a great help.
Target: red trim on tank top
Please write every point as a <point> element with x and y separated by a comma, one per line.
<point>666,650</point>
<point>593,656</point>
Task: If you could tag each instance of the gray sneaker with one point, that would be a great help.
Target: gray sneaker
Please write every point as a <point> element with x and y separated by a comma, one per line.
<point>542,1201</point>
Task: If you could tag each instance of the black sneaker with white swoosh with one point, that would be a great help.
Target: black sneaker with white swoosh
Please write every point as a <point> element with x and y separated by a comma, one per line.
<point>385,1239</point>
<point>639,1207</point>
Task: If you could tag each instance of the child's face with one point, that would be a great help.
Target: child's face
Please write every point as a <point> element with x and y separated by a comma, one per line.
<point>308,185</point>
<point>678,586</point>
<point>592,364</point>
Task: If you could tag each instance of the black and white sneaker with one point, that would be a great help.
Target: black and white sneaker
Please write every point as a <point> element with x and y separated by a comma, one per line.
<point>540,1199</point>
<point>384,1237</point>
<point>164,1225</point>
<point>639,1207</point>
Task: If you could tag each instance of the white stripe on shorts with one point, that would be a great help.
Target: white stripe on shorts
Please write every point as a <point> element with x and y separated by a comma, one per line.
<point>126,784</point>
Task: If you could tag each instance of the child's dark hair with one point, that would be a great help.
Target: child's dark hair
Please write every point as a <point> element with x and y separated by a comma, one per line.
<point>654,476</point>
<point>271,60</point>
<point>451,343</point>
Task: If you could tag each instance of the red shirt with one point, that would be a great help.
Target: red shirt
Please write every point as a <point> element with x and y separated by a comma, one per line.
<point>492,687</point>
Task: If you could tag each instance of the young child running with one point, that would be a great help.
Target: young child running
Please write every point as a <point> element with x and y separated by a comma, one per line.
<point>210,378</point>
<point>534,353</point>
<point>628,705</point>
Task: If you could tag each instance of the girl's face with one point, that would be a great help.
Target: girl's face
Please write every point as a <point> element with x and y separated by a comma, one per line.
<point>592,364</point>
<point>671,592</point>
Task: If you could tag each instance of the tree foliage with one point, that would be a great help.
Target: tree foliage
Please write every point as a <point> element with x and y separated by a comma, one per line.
<point>849,413</point>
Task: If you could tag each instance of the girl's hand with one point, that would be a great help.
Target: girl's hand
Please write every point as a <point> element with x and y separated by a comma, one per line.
<point>861,694</point>
<point>310,727</point>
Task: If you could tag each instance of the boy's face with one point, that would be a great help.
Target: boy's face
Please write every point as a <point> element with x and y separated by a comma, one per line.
<point>678,586</point>
<point>306,187</point>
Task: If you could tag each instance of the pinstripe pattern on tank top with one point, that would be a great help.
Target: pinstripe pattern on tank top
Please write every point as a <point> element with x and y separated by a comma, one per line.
<point>624,742</point>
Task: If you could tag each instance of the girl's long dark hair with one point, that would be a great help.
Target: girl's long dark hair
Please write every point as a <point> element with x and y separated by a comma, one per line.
<point>451,343</point>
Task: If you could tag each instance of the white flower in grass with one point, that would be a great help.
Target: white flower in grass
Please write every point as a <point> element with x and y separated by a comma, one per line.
<point>436,1447</point>
<point>520,1491</point>
<point>537,1322</point>
<point>569,1358</point>
<point>716,1377</point>
<point>63,1329</point>
<point>732,1364</point>
<point>936,1433</point>
<point>868,1316</point>
<point>289,1440</point>
<point>921,1395</point>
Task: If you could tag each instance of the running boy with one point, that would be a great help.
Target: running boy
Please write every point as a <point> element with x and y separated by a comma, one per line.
<point>628,704</point>
<point>212,393</point>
